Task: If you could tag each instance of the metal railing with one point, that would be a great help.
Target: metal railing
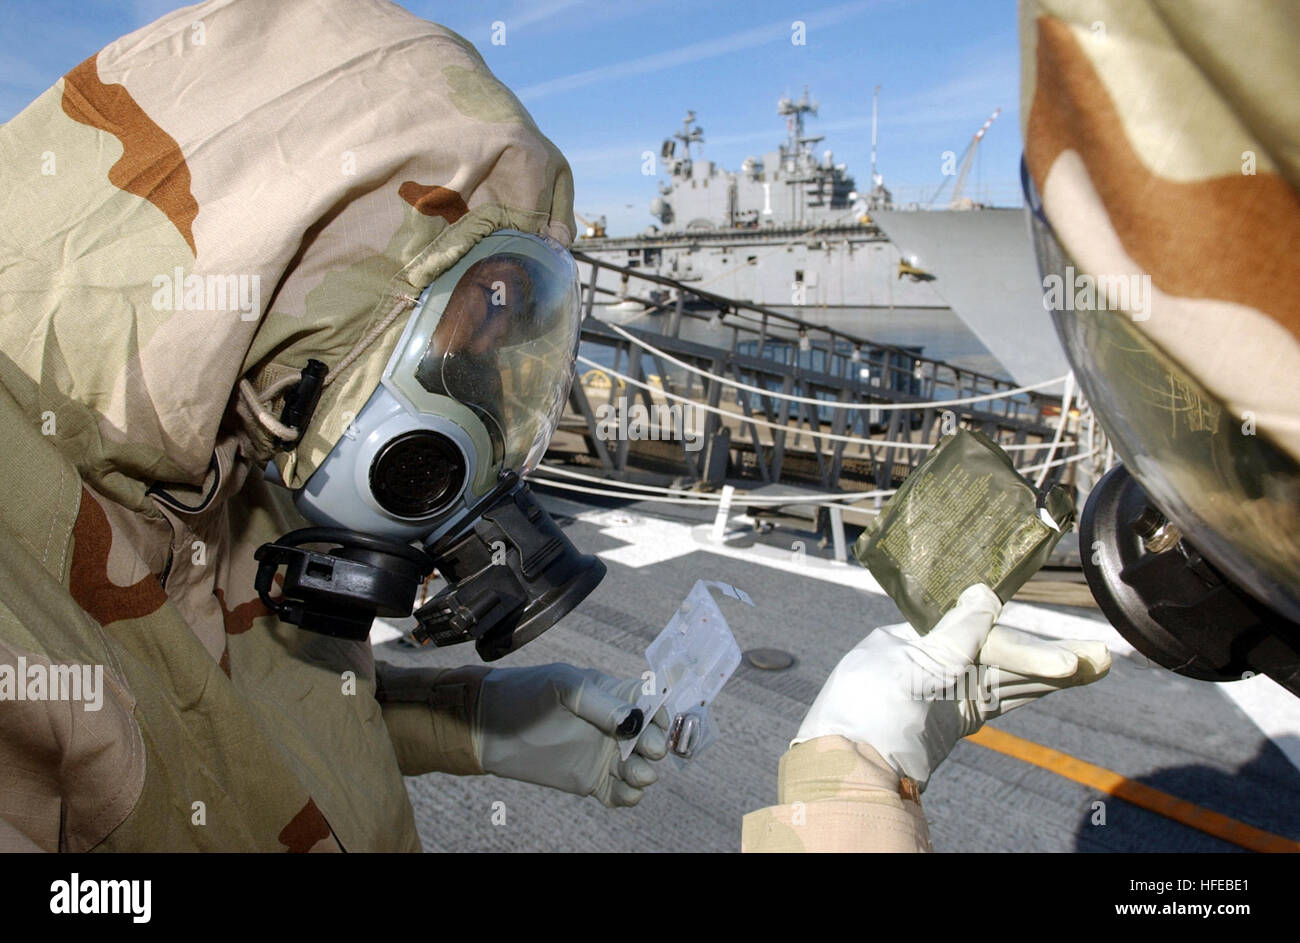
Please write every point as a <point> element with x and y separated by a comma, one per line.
<point>777,389</point>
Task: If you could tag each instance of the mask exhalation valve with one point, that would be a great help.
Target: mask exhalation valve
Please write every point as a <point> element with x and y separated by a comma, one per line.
<point>512,575</point>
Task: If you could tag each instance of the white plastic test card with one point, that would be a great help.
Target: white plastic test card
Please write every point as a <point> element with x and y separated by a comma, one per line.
<point>690,661</point>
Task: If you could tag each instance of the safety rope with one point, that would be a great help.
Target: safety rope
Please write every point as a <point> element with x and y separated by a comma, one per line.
<point>753,499</point>
<point>885,407</point>
<point>668,496</point>
<point>797,430</point>
<point>1066,398</point>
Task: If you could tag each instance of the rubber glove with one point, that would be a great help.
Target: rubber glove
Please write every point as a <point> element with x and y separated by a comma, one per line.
<point>912,697</point>
<point>554,726</point>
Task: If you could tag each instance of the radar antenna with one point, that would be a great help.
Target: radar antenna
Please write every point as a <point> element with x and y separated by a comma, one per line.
<point>689,135</point>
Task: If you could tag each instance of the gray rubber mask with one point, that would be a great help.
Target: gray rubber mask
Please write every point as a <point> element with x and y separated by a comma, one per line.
<point>465,408</point>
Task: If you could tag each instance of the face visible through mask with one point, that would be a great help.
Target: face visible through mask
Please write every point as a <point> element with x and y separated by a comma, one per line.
<point>473,391</point>
<point>479,310</point>
<point>503,337</point>
<point>461,360</point>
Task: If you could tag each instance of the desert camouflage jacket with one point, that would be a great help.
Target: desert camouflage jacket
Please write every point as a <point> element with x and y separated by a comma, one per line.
<point>219,196</point>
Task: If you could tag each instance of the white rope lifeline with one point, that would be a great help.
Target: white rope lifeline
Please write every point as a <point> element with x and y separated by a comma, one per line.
<point>668,496</point>
<point>797,430</point>
<point>712,500</point>
<point>708,500</point>
<point>752,499</point>
<point>811,400</point>
<point>1066,398</point>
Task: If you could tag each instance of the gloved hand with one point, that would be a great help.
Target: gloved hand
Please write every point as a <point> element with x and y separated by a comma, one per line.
<point>554,725</point>
<point>911,698</point>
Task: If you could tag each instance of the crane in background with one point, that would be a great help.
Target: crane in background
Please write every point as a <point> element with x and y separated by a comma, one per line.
<point>595,230</point>
<point>967,158</point>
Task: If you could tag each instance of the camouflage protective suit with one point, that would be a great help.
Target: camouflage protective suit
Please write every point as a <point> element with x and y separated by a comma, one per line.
<point>221,195</point>
<point>1164,139</point>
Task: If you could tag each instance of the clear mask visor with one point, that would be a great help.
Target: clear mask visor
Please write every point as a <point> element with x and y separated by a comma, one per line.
<point>497,332</point>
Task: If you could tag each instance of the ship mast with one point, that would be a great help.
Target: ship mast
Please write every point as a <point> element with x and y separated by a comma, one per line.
<point>796,155</point>
<point>688,135</point>
<point>796,143</point>
<point>875,103</point>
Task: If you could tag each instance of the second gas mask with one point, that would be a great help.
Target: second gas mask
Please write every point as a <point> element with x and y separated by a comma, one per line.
<point>428,475</point>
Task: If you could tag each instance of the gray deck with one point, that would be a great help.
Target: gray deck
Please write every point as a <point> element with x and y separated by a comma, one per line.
<point>1177,735</point>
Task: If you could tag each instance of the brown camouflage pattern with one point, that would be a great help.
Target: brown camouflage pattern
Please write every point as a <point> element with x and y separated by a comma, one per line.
<point>1137,119</point>
<point>838,796</point>
<point>232,138</point>
<point>1164,139</point>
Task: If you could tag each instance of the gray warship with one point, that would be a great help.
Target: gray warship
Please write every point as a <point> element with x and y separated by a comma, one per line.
<point>792,230</point>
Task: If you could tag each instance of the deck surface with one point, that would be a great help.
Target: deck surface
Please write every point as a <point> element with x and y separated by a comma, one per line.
<point>1200,742</point>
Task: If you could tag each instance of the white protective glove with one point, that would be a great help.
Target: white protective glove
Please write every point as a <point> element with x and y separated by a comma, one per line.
<point>554,726</point>
<point>912,697</point>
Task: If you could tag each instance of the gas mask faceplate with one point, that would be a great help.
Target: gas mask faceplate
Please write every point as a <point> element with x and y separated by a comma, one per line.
<point>465,407</point>
<point>1190,556</point>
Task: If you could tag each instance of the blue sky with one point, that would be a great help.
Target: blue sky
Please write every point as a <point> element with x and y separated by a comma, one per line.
<point>609,79</point>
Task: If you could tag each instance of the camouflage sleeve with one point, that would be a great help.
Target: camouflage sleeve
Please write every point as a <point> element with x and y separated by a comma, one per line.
<point>837,795</point>
<point>429,713</point>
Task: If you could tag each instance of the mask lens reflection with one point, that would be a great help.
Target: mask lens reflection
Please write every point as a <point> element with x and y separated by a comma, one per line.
<point>504,346</point>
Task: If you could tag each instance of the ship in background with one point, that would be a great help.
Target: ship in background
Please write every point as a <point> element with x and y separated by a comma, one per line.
<point>792,231</point>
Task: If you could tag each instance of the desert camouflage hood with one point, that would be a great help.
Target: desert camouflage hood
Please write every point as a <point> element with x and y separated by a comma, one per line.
<point>232,190</point>
<point>216,198</point>
<point>1163,138</point>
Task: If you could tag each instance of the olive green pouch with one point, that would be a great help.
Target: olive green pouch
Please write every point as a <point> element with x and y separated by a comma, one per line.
<point>964,516</point>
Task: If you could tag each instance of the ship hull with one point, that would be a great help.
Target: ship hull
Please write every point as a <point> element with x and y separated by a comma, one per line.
<point>977,264</point>
<point>985,270</point>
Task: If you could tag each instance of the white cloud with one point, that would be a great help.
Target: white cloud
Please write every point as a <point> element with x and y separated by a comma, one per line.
<point>535,12</point>
<point>695,52</point>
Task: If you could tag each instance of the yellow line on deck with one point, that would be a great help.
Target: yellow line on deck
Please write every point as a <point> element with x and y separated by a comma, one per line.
<point>1139,794</point>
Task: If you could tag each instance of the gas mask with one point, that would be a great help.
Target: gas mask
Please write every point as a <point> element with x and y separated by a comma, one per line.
<point>1192,561</point>
<point>429,474</point>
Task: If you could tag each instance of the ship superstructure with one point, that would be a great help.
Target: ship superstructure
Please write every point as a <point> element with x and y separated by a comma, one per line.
<point>792,230</point>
